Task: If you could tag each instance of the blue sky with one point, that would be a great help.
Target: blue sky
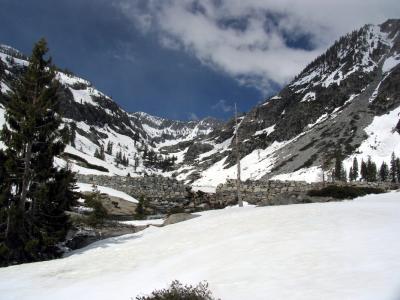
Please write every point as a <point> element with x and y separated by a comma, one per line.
<point>181,59</point>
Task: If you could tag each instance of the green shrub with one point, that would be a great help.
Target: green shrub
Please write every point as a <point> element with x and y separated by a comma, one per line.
<point>344,192</point>
<point>98,215</point>
<point>177,291</point>
<point>140,211</point>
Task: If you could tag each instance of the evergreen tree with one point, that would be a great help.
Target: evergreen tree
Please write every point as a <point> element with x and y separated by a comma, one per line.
<point>398,169</point>
<point>102,153</point>
<point>326,163</point>
<point>363,170</point>
<point>355,169</point>
<point>95,201</point>
<point>34,213</point>
<point>371,170</point>
<point>109,148</point>
<point>72,133</point>
<point>136,162</point>
<point>351,174</point>
<point>140,208</point>
<point>97,153</point>
<point>384,172</point>
<point>393,168</point>
<point>339,171</point>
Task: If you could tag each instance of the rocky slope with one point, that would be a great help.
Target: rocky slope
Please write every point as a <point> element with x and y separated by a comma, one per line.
<point>96,121</point>
<point>347,98</point>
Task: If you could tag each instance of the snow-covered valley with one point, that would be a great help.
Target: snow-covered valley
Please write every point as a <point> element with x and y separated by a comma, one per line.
<point>347,95</point>
<point>338,250</point>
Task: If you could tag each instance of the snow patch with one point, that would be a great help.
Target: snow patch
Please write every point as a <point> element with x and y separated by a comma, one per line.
<point>390,63</point>
<point>266,131</point>
<point>85,187</point>
<point>310,96</point>
<point>312,174</point>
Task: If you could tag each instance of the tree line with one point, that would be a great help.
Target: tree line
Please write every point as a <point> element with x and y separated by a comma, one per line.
<point>367,170</point>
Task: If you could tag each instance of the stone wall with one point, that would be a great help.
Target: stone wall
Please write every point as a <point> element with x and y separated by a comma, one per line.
<point>152,187</point>
<point>163,195</point>
<point>263,192</point>
<point>166,195</point>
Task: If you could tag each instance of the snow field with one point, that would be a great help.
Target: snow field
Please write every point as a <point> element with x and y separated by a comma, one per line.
<point>337,250</point>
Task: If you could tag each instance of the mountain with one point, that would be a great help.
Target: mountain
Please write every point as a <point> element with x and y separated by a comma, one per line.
<point>96,121</point>
<point>347,98</point>
<point>169,132</point>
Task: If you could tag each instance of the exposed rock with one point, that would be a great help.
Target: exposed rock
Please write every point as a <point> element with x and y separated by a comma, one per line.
<point>180,217</point>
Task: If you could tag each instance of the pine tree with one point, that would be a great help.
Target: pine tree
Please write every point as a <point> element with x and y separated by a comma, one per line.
<point>72,133</point>
<point>393,168</point>
<point>371,170</point>
<point>102,154</point>
<point>363,170</point>
<point>384,172</point>
<point>398,169</point>
<point>140,208</point>
<point>351,174</point>
<point>109,148</point>
<point>355,168</point>
<point>34,213</point>
<point>95,201</point>
<point>97,153</point>
<point>339,171</point>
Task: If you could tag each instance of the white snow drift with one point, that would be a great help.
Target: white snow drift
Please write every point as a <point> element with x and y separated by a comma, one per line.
<point>342,250</point>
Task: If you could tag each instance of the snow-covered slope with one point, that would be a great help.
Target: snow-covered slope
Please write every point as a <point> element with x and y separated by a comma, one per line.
<point>97,121</point>
<point>347,98</point>
<point>164,132</point>
<point>336,250</point>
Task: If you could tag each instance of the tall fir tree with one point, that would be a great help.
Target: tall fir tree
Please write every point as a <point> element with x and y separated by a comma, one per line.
<point>398,169</point>
<point>393,168</point>
<point>371,170</point>
<point>34,212</point>
<point>351,174</point>
<point>355,168</point>
<point>384,172</point>
<point>109,148</point>
<point>363,170</point>
<point>339,171</point>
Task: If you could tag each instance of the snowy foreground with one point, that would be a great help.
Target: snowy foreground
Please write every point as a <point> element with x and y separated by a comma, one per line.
<point>341,250</point>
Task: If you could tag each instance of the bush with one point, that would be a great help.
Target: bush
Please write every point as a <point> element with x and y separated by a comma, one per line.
<point>98,215</point>
<point>140,211</point>
<point>177,291</point>
<point>344,192</point>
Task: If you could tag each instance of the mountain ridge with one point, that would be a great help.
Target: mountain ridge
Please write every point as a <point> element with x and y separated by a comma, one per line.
<point>332,103</point>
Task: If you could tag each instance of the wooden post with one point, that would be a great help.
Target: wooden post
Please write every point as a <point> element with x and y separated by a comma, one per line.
<point>238,194</point>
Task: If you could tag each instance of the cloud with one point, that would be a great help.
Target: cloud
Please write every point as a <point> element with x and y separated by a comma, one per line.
<point>223,106</point>
<point>258,42</point>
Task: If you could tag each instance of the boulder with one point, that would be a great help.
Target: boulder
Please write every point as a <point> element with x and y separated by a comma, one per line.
<point>180,217</point>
